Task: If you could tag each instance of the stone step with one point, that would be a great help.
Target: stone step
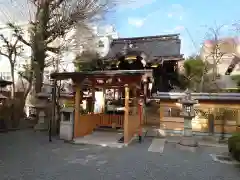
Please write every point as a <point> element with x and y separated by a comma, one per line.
<point>157,145</point>
<point>153,133</point>
<point>108,129</point>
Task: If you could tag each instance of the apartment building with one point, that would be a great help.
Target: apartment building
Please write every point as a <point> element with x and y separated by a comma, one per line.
<point>226,53</point>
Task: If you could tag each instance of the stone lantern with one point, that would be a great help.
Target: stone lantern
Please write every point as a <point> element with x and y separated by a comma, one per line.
<point>188,114</point>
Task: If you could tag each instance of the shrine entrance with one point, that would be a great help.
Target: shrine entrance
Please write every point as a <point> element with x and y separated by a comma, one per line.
<point>124,119</point>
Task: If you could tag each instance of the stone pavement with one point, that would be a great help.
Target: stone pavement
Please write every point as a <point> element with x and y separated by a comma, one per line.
<point>202,141</point>
<point>25,155</point>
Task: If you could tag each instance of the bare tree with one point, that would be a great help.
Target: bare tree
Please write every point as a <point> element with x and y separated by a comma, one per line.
<point>52,20</point>
<point>11,48</point>
<point>87,61</point>
<point>236,26</point>
<point>212,53</point>
<point>216,51</point>
<point>26,79</point>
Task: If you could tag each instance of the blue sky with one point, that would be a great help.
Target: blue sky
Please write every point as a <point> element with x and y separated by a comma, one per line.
<point>192,19</point>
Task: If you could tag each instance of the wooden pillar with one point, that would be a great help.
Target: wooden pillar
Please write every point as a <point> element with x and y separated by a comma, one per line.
<point>126,114</point>
<point>93,98</point>
<point>238,121</point>
<point>135,103</point>
<point>114,93</point>
<point>53,128</point>
<point>104,99</point>
<point>161,113</point>
<point>145,91</point>
<point>77,110</point>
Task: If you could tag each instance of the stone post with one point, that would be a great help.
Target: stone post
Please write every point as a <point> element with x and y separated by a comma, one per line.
<point>188,114</point>
<point>41,117</point>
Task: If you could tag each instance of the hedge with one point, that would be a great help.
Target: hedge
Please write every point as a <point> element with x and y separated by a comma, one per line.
<point>234,145</point>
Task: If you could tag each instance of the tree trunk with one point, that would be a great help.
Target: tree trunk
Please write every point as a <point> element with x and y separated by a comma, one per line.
<point>39,56</point>
<point>38,79</point>
<point>39,46</point>
<point>13,82</point>
<point>14,119</point>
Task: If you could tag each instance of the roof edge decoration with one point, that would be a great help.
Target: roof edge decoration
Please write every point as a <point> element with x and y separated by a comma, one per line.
<point>158,37</point>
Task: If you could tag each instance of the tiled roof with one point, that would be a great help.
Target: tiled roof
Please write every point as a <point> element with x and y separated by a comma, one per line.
<point>151,46</point>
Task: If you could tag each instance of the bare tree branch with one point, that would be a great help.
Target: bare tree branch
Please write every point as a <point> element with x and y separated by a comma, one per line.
<point>52,20</point>
<point>10,49</point>
<point>56,4</point>
<point>18,32</point>
<point>55,50</point>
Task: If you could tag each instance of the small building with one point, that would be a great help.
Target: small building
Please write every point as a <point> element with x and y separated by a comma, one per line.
<point>81,126</point>
<point>160,53</point>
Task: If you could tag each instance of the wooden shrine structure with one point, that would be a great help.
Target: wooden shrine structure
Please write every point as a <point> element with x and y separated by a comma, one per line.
<point>127,81</point>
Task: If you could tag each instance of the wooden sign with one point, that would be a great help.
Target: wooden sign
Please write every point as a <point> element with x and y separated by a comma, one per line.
<point>69,103</point>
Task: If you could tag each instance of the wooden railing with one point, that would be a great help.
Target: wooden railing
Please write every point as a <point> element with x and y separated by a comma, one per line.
<point>111,120</point>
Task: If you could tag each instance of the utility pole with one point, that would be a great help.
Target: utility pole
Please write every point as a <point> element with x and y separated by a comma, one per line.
<point>56,94</point>
<point>53,121</point>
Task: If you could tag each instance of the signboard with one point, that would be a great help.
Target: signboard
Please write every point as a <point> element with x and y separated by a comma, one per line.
<point>68,103</point>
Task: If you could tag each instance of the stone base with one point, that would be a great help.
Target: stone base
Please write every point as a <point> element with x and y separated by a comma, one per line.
<point>188,141</point>
<point>186,148</point>
<point>153,133</point>
<point>41,127</point>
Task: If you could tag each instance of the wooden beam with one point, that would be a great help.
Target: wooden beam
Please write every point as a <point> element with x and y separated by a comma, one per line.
<point>135,103</point>
<point>126,115</point>
<point>205,105</point>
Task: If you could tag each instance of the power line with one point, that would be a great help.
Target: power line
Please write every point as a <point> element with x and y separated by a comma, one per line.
<point>190,36</point>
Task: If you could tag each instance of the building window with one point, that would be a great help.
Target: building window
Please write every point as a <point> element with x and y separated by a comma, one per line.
<point>100,44</point>
<point>6,76</point>
<point>66,116</point>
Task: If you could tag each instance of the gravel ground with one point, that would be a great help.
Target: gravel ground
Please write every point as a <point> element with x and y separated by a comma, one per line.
<point>28,155</point>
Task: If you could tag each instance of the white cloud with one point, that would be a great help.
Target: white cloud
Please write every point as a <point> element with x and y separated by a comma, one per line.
<point>138,22</point>
<point>176,11</point>
<point>168,31</point>
<point>179,28</point>
<point>133,4</point>
<point>178,7</point>
<point>170,15</point>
